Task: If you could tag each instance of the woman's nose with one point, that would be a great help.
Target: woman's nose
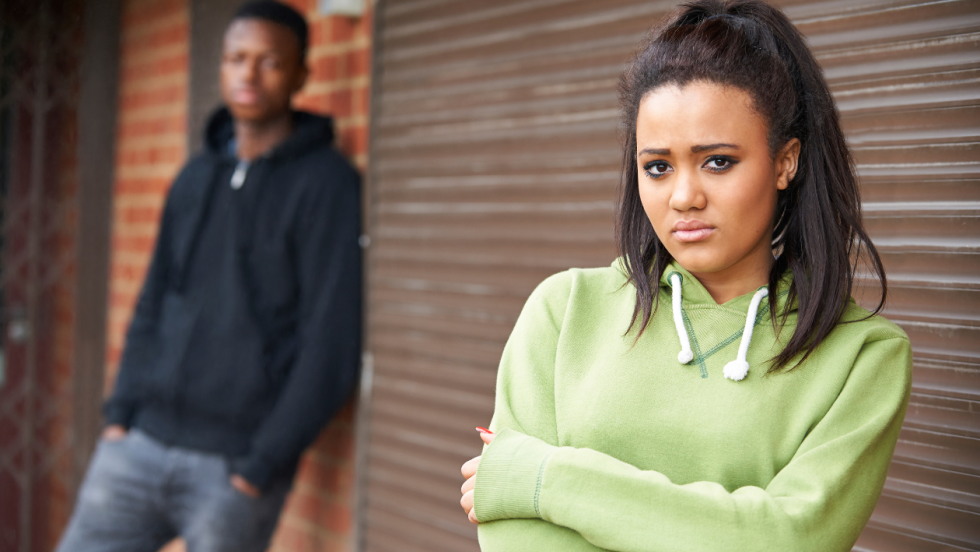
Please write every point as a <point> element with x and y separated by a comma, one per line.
<point>687,192</point>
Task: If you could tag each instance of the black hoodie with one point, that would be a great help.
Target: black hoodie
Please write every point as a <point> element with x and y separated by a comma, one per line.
<point>246,336</point>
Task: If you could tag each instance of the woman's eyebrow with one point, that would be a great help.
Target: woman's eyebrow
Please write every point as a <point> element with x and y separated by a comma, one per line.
<point>699,149</point>
<point>653,151</point>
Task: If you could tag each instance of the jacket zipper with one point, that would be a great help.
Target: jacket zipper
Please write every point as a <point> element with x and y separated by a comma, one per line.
<point>238,178</point>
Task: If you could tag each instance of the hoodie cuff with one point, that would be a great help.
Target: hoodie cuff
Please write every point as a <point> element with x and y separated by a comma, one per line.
<point>254,469</point>
<point>508,481</point>
<point>116,413</point>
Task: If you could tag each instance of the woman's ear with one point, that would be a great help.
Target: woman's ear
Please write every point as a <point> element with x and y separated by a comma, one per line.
<point>787,161</point>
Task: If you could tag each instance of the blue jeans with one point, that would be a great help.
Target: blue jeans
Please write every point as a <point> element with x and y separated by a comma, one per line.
<point>139,494</point>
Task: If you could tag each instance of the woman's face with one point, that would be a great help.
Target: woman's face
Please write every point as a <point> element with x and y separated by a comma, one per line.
<point>708,181</point>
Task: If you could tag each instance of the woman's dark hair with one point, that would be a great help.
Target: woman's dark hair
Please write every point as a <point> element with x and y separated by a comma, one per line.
<point>752,46</point>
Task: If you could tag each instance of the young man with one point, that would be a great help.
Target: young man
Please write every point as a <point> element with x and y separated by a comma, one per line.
<point>246,337</point>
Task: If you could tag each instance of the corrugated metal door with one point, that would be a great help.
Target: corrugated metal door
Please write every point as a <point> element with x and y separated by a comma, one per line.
<point>906,76</point>
<point>495,163</point>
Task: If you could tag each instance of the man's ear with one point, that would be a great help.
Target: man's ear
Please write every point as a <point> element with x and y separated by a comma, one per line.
<point>787,161</point>
<point>301,76</point>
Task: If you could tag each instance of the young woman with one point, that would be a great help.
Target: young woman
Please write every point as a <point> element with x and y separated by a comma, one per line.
<point>716,388</point>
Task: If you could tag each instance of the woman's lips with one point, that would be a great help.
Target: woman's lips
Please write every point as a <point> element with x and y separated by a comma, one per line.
<point>691,231</point>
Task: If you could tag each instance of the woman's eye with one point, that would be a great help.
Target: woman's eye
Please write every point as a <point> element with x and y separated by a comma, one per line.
<point>719,164</point>
<point>656,169</point>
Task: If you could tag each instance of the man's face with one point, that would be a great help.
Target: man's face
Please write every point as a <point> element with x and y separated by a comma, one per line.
<point>260,69</point>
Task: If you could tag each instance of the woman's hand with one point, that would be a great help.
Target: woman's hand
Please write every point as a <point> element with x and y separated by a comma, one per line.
<point>469,472</point>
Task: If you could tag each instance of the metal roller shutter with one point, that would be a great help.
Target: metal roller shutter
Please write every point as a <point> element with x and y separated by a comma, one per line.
<point>495,164</point>
<point>906,76</point>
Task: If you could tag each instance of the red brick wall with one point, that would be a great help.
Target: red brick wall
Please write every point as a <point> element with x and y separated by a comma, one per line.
<point>151,147</point>
<point>150,150</point>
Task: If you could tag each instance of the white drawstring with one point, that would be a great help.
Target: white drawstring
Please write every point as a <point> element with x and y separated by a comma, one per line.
<point>686,355</point>
<point>737,369</point>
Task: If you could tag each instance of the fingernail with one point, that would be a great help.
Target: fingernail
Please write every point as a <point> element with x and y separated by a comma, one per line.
<point>484,430</point>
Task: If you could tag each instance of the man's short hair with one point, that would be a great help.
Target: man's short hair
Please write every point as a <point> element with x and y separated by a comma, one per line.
<point>277,13</point>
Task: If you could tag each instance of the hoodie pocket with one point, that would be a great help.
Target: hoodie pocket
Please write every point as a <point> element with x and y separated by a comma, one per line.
<point>177,320</point>
<point>231,385</point>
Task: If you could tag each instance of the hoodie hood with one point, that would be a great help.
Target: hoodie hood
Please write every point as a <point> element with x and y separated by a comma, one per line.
<point>683,288</point>
<point>696,294</point>
<point>687,293</point>
<point>309,131</point>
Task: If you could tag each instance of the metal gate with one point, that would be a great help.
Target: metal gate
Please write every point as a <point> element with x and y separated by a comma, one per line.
<point>39,60</point>
<point>495,163</point>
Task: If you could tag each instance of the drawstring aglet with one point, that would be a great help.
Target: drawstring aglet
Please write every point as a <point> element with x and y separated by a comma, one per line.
<point>686,355</point>
<point>737,369</point>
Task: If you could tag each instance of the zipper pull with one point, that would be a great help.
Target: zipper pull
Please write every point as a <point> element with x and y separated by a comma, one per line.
<point>238,179</point>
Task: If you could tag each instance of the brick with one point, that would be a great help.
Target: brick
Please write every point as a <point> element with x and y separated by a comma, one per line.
<point>153,128</point>
<point>177,33</point>
<point>359,62</point>
<point>329,515</point>
<point>136,14</point>
<point>161,96</point>
<point>157,81</point>
<point>318,49</point>
<point>338,446</point>
<point>327,479</point>
<point>361,101</point>
<point>347,84</point>
<point>341,29</point>
<point>292,538</point>
<point>325,68</point>
<point>165,20</point>
<point>123,300</point>
<point>113,354</point>
<point>168,139</point>
<point>149,57</point>
<point>144,215</point>
<point>170,156</point>
<point>127,243</point>
<point>174,63</point>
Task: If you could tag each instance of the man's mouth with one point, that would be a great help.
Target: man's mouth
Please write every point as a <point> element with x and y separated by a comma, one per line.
<point>245,96</point>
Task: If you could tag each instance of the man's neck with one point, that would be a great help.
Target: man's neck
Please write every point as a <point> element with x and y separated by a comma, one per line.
<point>256,138</point>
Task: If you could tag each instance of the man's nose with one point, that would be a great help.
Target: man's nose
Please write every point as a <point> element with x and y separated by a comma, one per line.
<point>249,71</point>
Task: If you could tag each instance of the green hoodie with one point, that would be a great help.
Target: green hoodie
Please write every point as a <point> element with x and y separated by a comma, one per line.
<point>603,444</point>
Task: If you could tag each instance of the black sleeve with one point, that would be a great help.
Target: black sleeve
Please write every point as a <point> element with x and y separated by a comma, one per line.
<point>122,403</point>
<point>328,259</point>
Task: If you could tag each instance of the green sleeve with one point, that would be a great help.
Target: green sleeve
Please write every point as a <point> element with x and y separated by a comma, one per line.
<point>525,398</point>
<point>819,501</point>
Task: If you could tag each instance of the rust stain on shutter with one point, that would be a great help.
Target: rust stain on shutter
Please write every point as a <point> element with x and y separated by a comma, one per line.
<point>495,164</point>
